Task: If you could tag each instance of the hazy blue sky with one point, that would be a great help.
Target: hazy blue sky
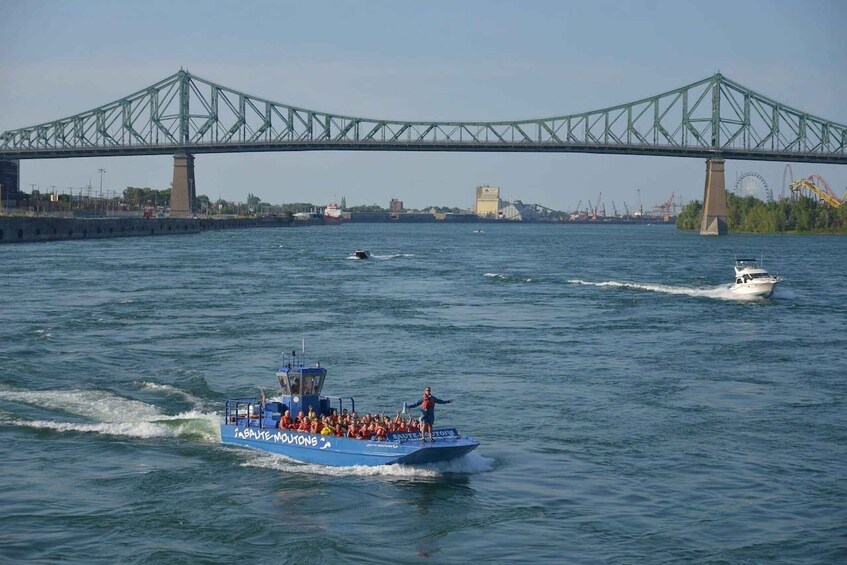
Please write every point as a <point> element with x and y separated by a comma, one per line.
<point>433,60</point>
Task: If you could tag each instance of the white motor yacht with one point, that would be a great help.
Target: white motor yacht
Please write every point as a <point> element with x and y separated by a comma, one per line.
<point>752,280</point>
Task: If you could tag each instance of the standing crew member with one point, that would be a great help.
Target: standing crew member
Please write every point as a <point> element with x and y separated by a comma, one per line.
<point>427,404</point>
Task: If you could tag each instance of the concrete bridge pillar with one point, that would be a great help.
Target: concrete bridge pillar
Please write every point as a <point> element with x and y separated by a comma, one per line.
<point>183,191</point>
<point>714,200</point>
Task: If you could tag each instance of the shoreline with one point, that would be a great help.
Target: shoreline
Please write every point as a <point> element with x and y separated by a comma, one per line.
<point>26,229</point>
<point>31,229</point>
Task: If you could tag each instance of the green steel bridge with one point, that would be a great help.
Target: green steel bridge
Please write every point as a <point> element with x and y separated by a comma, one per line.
<point>185,113</point>
<point>714,118</point>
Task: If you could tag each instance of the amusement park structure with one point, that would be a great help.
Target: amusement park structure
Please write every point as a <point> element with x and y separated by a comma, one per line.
<point>814,186</point>
<point>753,184</point>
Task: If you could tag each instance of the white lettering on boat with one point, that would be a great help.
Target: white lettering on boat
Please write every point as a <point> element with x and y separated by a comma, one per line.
<point>303,440</point>
<point>406,436</point>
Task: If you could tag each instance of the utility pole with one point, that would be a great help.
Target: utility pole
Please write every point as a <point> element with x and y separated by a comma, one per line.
<point>100,200</point>
<point>101,181</point>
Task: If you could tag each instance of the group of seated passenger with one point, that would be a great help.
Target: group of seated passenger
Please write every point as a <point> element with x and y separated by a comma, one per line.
<point>348,424</point>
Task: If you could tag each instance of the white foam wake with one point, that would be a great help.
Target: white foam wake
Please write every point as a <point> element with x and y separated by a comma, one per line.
<point>110,414</point>
<point>507,278</point>
<point>720,292</point>
<point>94,404</point>
<point>471,463</point>
<point>171,391</point>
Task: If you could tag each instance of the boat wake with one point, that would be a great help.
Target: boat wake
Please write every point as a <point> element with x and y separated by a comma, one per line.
<point>470,464</point>
<point>720,292</point>
<point>384,257</point>
<point>169,390</point>
<point>109,414</point>
<point>499,277</point>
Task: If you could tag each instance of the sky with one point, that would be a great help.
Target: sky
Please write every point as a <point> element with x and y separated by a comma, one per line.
<point>427,61</point>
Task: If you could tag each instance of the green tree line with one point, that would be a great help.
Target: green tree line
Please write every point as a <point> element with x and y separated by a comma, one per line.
<point>751,215</point>
<point>147,196</point>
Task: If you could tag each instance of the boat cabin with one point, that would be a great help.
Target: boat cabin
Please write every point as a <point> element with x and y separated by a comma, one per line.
<point>301,385</point>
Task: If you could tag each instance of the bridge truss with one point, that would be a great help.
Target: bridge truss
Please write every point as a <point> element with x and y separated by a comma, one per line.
<point>714,117</point>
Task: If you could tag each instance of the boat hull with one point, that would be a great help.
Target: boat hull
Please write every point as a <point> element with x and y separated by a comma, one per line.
<point>751,290</point>
<point>340,451</point>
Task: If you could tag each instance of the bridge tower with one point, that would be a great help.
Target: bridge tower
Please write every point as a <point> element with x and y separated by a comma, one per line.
<point>183,192</point>
<point>714,199</point>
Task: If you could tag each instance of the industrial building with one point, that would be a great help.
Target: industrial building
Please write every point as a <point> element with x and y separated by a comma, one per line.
<point>520,212</point>
<point>487,203</point>
<point>9,183</point>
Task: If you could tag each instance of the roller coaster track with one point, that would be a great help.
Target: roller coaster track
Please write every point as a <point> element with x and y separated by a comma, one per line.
<point>714,117</point>
<point>825,194</point>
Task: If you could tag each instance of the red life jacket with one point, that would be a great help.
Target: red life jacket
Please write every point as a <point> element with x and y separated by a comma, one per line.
<point>427,403</point>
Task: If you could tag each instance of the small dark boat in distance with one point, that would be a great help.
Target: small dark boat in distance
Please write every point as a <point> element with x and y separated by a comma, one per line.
<point>254,422</point>
<point>362,254</point>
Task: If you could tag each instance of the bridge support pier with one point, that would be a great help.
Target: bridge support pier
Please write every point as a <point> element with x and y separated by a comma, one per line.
<point>714,200</point>
<point>183,191</point>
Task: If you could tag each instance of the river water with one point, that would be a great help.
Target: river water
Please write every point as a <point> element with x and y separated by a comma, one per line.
<point>629,409</point>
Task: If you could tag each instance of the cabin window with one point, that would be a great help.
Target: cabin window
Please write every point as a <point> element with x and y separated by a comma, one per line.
<point>312,384</point>
<point>295,385</point>
<point>283,383</point>
<point>309,385</point>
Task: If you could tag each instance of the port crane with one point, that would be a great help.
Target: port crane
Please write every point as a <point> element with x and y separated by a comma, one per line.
<point>614,209</point>
<point>596,207</point>
<point>626,208</point>
<point>667,208</point>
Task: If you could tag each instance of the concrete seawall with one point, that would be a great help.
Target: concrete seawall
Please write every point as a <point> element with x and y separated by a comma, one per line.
<point>28,229</point>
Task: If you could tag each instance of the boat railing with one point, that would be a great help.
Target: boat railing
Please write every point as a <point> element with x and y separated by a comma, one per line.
<point>341,403</point>
<point>293,359</point>
<point>241,408</point>
<point>251,411</point>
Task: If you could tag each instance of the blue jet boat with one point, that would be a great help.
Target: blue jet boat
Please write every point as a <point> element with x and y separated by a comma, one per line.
<point>252,422</point>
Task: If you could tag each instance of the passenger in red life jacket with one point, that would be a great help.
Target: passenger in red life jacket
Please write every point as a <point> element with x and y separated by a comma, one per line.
<point>364,433</point>
<point>427,404</point>
<point>380,433</point>
<point>285,422</point>
<point>352,430</point>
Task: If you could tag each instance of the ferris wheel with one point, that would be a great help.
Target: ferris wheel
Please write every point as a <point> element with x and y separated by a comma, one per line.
<point>753,184</point>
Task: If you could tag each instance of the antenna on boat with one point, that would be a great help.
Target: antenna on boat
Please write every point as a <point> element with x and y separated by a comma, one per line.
<point>303,347</point>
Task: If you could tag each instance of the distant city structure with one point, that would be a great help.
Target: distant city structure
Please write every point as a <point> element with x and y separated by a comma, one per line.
<point>519,212</point>
<point>487,201</point>
<point>9,183</point>
<point>395,206</point>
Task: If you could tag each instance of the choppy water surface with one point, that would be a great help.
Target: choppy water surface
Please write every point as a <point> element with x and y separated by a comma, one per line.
<point>630,411</point>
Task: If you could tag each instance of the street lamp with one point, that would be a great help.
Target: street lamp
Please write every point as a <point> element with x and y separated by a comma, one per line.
<point>101,182</point>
